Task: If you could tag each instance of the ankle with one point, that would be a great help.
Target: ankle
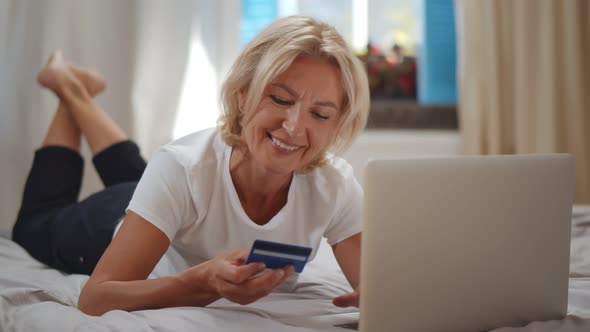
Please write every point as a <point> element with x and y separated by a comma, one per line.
<point>71,88</point>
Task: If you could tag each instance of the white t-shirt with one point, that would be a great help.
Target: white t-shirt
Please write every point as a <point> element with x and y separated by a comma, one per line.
<point>187,192</point>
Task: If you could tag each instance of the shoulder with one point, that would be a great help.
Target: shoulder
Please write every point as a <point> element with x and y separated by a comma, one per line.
<point>334,181</point>
<point>336,169</point>
<point>194,150</point>
<point>194,160</point>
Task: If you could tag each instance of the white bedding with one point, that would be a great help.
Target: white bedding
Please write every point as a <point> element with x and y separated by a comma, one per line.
<point>36,298</point>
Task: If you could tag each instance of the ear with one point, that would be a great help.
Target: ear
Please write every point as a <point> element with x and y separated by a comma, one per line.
<point>241,100</point>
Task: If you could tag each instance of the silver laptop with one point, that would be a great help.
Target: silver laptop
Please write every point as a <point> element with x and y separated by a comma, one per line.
<point>465,243</point>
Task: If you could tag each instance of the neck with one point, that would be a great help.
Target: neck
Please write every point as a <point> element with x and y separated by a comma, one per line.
<point>262,193</point>
<point>248,178</point>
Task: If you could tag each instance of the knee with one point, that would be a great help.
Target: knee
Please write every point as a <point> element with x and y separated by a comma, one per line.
<point>32,233</point>
<point>18,231</point>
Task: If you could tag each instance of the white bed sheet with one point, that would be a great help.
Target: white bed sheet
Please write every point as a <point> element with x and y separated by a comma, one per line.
<point>36,298</point>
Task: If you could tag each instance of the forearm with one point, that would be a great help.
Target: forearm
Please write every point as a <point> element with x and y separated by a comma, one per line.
<point>348,255</point>
<point>171,291</point>
<point>351,270</point>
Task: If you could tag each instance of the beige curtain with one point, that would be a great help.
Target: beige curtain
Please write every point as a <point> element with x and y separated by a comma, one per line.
<point>524,79</point>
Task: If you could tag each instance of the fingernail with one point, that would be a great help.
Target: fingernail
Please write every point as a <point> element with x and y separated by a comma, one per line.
<point>261,266</point>
<point>280,274</point>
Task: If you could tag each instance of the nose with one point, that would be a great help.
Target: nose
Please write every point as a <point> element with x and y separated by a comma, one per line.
<point>293,121</point>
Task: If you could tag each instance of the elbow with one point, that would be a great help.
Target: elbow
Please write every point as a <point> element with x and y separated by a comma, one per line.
<point>88,301</point>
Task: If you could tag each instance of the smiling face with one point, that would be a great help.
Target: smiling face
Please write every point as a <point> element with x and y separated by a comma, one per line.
<point>297,117</point>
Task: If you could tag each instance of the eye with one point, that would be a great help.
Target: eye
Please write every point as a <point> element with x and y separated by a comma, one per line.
<point>319,116</point>
<point>279,101</point>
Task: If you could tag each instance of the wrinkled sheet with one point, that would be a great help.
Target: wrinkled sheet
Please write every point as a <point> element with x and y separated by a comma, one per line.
<point>34,297</point>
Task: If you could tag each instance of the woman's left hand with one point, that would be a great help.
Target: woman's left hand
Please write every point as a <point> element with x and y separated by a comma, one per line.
<point>347,300</point>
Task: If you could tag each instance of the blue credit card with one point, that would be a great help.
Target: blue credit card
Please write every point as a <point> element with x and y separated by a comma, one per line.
<point>275,255</point>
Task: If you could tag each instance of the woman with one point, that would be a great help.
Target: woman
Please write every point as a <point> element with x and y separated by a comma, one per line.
<point>294,94</point>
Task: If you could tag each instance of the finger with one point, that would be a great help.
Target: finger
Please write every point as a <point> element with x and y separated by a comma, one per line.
<point>237,254</point>
<point>272,279</point>
<point>257,287</point>
<point>342,301</point>
<point>240,256</point>
<point>233,292</point>
<point>239,261</point>
<point>289,269</point>
<point>238,274</point>
<point>248,291</point>
<point>347,300</point>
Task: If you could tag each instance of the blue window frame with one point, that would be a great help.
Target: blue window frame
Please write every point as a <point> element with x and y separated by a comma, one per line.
<point>256,14</point>
<point>437,56</point>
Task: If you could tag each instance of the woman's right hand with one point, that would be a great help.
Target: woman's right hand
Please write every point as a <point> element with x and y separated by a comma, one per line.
<point>228,277</point>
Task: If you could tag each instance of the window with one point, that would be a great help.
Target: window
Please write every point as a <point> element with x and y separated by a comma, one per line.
<point>408,46</point>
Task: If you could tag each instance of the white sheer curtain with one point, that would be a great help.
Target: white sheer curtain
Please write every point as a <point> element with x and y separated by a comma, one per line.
<point>142,48</point>
<point>215,45</point>
<point>524,77</point>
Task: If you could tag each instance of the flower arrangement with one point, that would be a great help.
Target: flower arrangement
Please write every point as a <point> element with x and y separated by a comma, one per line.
<point>390,75</point>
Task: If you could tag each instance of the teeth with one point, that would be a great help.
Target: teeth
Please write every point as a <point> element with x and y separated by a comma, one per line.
<point>282,145</point>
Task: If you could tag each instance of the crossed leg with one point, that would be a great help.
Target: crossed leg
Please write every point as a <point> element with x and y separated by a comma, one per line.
<point>63,130</point>
<point>52,225</point>
<point>77,113</point>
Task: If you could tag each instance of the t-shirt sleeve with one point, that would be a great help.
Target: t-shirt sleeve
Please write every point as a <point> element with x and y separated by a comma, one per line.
<point>163,196</point>
<point>347,220</point>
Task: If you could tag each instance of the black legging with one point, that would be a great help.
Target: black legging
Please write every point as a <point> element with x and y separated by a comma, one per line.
<point>56,228</point>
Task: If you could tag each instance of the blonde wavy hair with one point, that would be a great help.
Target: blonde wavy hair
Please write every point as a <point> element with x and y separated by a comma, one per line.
<point>269,54</point>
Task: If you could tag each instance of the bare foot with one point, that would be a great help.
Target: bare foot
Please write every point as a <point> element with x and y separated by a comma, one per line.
<point>55,73</point>
<point>92,80</point>
<point>57,70</point>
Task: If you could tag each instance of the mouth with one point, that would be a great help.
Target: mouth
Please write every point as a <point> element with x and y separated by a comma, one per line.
<point>281,145</point>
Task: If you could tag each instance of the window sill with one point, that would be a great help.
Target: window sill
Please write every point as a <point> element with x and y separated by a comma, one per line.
<point>409,114</point>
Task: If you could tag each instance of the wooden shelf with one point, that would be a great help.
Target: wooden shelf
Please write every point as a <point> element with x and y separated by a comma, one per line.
<point>410,114</point>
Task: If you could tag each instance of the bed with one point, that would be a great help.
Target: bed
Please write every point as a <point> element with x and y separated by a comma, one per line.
<point>34,297</point>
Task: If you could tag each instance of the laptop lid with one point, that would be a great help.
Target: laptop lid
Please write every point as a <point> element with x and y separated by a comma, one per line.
<point>466,243</point>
